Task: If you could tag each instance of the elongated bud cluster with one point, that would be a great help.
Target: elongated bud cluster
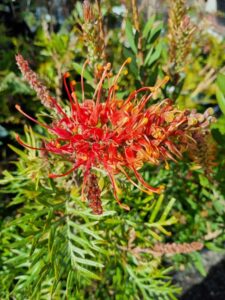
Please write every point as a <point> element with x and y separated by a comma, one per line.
<point>93,34</point>
<point>180,35</point>
<point>32,78</point>
<point>174,248</point>
<point>203,152</point>
<point>94,195</point>
<point>202,120</point>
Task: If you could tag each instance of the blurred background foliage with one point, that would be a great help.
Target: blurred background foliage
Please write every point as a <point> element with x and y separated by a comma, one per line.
<point>52,247</point>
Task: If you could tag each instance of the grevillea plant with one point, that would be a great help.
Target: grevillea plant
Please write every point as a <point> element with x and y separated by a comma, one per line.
<point>111,134</point>
<point>132,136</point>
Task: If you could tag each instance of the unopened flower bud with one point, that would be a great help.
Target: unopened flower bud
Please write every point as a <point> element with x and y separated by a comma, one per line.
<point>209,112</point>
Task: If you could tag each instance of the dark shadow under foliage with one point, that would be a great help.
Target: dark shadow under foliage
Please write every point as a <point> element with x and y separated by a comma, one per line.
<point>211,288</point>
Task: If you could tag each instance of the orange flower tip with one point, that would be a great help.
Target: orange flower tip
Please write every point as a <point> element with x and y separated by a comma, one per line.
<point>116,87</point>
<point>144,121</point>
<point>66,75</point>
<point>99,67</point>
<point>161,188</point>
<point>129,59</point>
<point>52,175</point>
<point>119,103</point>
<point>73,83</point>
<point>17,106</point>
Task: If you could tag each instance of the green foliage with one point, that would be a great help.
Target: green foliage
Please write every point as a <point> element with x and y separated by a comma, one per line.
<point>221,92</point>
<point>145,49</point>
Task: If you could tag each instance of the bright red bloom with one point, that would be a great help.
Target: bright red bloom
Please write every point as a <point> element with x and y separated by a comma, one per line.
<point>115,135</point>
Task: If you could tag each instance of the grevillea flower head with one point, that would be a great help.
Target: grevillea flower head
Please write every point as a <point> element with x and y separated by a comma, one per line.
<point>115,135</point>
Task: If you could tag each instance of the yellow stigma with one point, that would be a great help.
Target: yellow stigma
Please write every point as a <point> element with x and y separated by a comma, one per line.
<point>119,103</point>
<point>57,145</point>
<point>74,130</point>
<point>144,121</point>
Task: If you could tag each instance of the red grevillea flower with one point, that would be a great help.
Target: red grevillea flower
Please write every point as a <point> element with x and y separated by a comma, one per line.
<point>108,133</point>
